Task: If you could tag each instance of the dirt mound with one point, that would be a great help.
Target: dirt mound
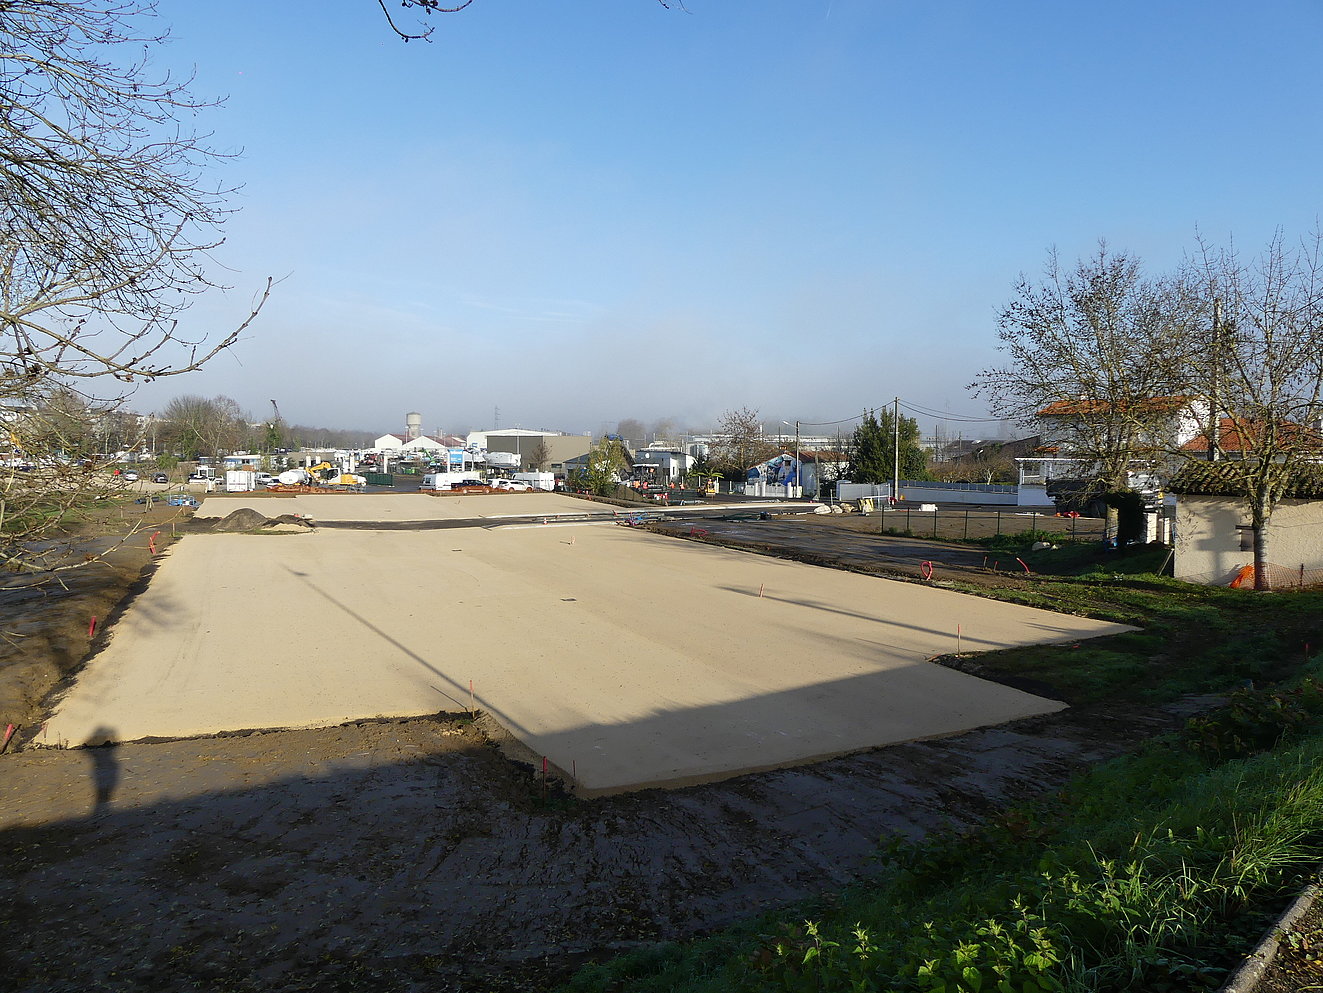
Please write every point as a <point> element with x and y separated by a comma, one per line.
<point>291,523</point>
<point>242,519</point>
<point>246,519</point>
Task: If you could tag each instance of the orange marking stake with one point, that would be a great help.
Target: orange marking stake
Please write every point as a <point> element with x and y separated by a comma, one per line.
<point>760,591</point>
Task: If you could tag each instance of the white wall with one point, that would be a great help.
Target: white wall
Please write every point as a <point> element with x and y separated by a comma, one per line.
<point>1032,495</point>
<point>1209,539</point>
<point>853,491</point>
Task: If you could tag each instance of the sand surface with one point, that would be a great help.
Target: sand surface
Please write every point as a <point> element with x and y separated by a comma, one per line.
<point>403,506</point>
<point>624,657</point>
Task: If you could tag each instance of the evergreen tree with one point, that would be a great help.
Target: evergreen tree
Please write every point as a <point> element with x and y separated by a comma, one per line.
<point>874,456</point>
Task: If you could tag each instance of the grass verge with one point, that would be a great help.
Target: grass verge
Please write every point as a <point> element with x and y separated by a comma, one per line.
<point>1151,872</point>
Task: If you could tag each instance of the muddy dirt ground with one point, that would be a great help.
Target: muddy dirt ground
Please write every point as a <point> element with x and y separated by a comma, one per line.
<point>412,855</point>
<point>47,630</point>
<point>1298,964</point>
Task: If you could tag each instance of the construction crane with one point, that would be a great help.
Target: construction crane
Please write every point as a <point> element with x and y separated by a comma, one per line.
<point>273,432</point>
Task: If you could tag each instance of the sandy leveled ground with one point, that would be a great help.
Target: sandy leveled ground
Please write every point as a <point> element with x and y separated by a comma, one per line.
<point>403,506</point>
<point>626,658</point>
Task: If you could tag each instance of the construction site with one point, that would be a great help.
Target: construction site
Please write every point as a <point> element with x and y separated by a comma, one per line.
<point>489,735</point>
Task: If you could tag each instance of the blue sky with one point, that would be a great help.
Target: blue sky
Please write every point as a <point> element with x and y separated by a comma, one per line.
<point>587,210</point>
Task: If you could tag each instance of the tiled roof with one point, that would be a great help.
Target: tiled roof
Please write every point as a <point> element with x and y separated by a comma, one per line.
<point>1224,479</point>
<point>1084,407</point>
<point>1233,435</point>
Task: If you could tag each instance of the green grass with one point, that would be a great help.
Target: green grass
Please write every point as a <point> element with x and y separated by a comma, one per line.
<point>1150,872</point>
<point>28,515</point>
<point>1192,639</point>
<point>1074,558</point>
<point>1154,871</point>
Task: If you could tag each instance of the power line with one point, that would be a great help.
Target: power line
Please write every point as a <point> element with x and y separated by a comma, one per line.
<point>843,420</point>
<point>948,416</point>
<point>915,409</point>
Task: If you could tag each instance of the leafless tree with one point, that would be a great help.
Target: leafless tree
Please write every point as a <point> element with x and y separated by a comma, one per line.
<point>194,425</point>
<point>539,456</point>
<point>1096,350</point>
<point>443,7</point>
<point>986,463</point>
<point>1261,358</point>
<point>106,224</point>
<point>739,442</point>
<point>833,465</point>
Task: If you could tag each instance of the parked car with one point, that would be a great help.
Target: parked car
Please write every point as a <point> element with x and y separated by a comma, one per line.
<point>160,477</point>
<point>514,485</point>
<point>130,476</point>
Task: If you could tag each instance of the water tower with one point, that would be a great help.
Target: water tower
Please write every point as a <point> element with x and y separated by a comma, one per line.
<point>413,426</point>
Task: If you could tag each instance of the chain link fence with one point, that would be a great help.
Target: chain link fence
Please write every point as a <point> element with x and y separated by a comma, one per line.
<point>958,523</point>
<point>1281,577</point>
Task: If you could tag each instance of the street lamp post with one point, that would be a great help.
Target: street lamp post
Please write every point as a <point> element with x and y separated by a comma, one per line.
<point>895,454</point>
<point>799,484</point>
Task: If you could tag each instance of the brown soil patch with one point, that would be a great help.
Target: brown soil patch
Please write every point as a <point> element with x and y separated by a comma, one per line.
<point>47,630</point>
<point>245,519</point>
<point>1298,964</point>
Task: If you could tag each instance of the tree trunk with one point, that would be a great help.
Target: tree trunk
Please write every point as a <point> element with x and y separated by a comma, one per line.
<point>1112,526</point>
<point>1262,512</point>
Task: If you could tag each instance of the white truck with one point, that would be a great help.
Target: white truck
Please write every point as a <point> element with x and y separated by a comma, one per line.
<point>450,480</point>
<point>538,480</point>
<point>240,480</point>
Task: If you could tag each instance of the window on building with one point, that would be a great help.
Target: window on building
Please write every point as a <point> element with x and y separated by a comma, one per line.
<point>1246,537</point>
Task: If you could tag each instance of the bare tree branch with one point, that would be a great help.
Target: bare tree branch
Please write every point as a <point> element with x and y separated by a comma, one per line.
<point>106,222</point>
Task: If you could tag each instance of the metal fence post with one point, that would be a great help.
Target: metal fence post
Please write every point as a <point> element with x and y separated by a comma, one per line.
<point>998,534</point>
<point>934,524</point>
<point>907,520</point>
<point>966,522</point>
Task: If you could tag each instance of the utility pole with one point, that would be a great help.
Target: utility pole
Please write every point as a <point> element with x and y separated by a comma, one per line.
<point>895,466</point>
<point>1214,417</point>
<point>799,481</point>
